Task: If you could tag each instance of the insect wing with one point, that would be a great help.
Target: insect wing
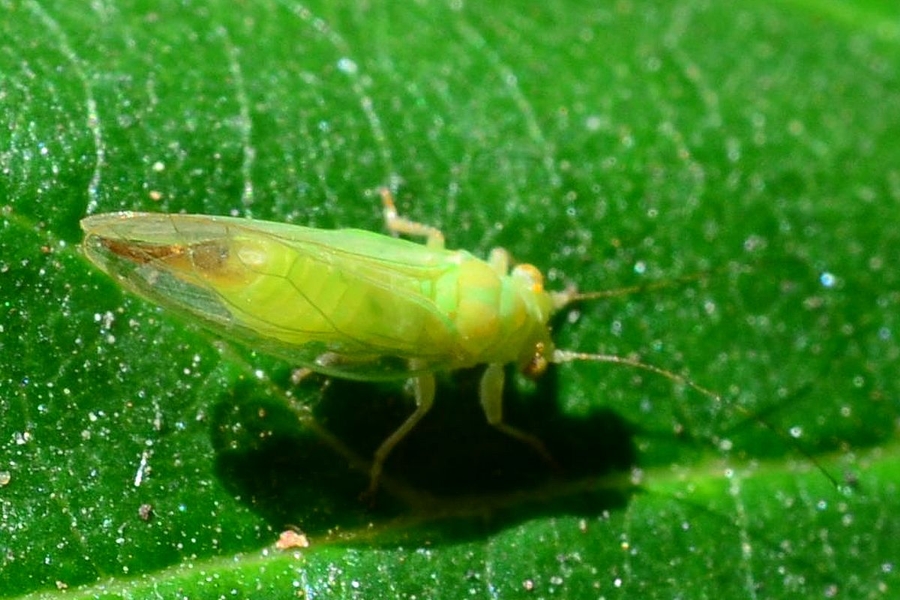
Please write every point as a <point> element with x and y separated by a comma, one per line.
<point>344,302</point>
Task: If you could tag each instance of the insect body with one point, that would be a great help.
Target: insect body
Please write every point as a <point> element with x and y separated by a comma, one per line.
<point>347,303</point>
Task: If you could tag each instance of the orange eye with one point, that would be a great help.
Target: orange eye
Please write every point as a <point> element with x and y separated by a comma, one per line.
<point>531,275</point>
<point>538,363</point>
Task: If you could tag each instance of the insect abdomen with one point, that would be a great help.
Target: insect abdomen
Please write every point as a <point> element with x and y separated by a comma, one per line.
<point>296,298</point>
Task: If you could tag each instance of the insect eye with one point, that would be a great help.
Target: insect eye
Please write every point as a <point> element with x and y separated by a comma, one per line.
<point>538,363</point>
<point>530,275</point>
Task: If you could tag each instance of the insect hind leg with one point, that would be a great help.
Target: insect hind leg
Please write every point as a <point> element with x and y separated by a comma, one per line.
<point>434,238</point>
<point>491,396</point>
<point>424,390</point>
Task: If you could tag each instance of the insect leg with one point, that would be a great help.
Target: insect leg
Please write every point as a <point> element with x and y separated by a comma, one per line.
<point>397,224</point>
<point>491,396</point>
<point>424,390</point>
<point>499,260</point>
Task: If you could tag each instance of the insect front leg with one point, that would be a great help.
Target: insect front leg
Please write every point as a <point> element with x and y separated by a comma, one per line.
<point>434,238</point>
<point>424,391</point>
<point>491,396</point>
<point>499,260</point>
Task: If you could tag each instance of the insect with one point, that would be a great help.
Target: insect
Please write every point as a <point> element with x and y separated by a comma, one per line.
<point>349,303</point>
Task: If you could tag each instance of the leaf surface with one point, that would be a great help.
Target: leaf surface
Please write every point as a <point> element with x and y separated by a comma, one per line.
<point>612,146</point>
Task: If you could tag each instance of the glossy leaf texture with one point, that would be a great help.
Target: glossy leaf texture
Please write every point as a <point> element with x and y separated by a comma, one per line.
<point>610,144</point>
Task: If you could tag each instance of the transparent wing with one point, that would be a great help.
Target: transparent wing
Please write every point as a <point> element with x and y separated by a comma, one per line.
<point>344,302</point>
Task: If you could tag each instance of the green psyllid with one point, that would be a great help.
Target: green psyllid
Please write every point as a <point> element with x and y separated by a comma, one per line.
<point>349,303</point>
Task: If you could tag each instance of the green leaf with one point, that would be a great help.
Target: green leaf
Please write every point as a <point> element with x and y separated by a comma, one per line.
<point>611,145</point>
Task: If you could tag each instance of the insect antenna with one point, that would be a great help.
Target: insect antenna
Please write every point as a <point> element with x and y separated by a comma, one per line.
<point>571,296</point>
<point>564,356</point>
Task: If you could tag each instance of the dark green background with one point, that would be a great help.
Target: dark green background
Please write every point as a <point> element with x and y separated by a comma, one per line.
<point>610,144</point>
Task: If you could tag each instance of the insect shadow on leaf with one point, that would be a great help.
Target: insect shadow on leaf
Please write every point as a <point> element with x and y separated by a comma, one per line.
<point>288,474</point>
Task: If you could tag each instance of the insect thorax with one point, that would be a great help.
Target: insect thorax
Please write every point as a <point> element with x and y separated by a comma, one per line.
<point>498,318</point>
